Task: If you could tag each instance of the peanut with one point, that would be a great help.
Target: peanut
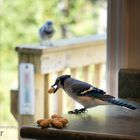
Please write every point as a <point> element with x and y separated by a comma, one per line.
<point>45,122</point>
<point>55,120</point>
<point>51,90</point>
<point>39,121</point>
<point>57,124</point>
<point>64,121</point>
<point>55,116</point>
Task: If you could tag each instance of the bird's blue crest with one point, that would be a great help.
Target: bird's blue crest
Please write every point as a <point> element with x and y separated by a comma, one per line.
<point>49,22</point>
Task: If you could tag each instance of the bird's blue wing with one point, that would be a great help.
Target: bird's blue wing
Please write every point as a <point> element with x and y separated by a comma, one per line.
<point>75,86</point>
<point>81,88</point>
<point>92,91</point>
<point>97,93</point>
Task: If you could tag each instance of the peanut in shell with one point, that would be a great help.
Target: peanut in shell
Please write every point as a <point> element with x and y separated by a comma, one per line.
<point>45,122</point>
<point>57,124</point>
<point>55,116</point>
<point>51,90</point>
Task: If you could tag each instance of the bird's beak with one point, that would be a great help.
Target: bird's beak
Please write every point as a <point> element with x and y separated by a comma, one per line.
<point>55,86</point>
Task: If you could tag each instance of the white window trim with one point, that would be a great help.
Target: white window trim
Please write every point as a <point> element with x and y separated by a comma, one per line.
<point>117,36</point>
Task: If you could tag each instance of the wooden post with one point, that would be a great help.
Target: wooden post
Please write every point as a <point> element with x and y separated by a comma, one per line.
<point>46,97</point>
<point>60,98</point>
<point>85,73</point>
<point>39,96</point>
<point>97,75</point>
<point>14,103</point>
<point>39,91</point>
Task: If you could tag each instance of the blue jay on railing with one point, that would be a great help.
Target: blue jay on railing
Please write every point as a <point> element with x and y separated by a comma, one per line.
<point>46,32</point>
<point>85,94</point>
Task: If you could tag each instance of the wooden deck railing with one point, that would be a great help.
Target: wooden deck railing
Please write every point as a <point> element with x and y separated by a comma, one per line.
<point>81,57</point>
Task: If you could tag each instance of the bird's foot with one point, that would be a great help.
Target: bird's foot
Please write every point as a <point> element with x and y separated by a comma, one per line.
<point>78,111</point>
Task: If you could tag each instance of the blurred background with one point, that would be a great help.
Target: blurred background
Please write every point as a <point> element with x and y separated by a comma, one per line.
<point>19,24</point>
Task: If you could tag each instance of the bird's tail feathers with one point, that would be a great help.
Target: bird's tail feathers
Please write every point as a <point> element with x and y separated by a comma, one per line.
<point>121,103</point>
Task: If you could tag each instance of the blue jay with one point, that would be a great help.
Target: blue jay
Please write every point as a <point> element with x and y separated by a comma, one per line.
<point>46,32</point>
<point>85,94</point>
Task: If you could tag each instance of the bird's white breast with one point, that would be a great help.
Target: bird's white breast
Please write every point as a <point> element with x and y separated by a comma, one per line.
<point>86,101</point>
<point>89,102</point>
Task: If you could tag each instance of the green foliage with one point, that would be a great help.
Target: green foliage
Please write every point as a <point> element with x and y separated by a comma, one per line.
<point>19,24</point>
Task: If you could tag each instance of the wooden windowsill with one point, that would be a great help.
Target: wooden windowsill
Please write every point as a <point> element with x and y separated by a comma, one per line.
<point>102,122</point>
